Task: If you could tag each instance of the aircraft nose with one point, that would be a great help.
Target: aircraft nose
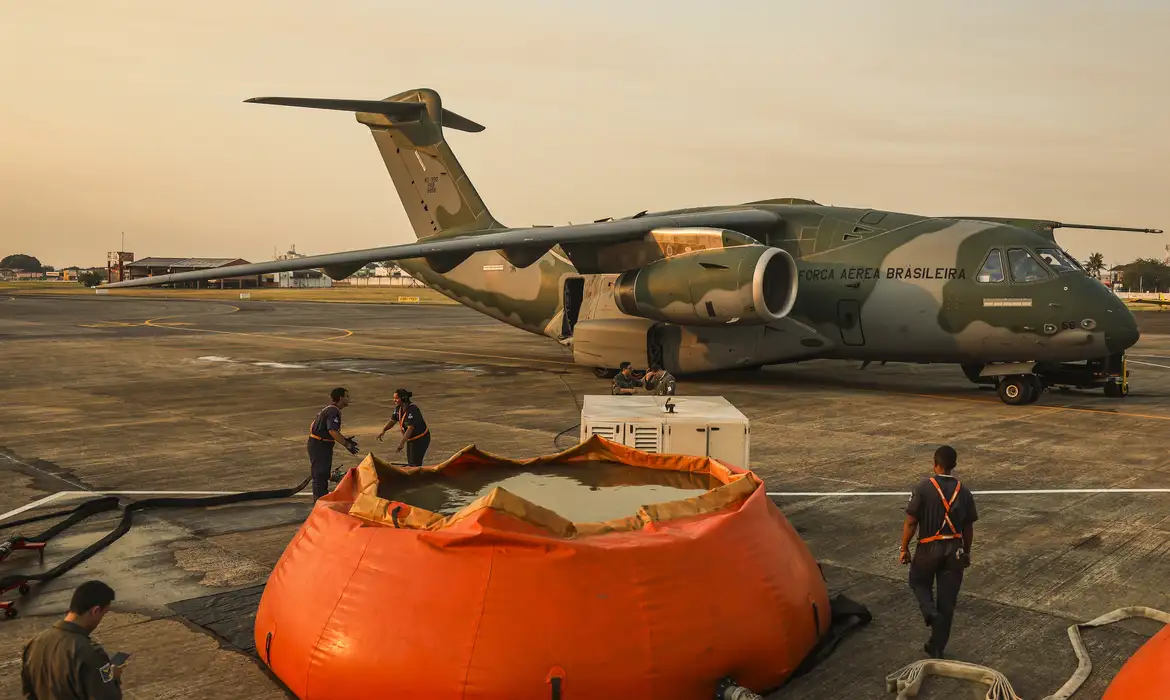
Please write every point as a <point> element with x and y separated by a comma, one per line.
<point>1122,334</point>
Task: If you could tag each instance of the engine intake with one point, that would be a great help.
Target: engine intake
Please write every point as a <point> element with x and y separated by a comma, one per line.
<point>745,285</point>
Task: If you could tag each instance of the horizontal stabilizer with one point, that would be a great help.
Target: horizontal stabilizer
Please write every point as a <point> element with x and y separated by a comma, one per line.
<point>397,111</point>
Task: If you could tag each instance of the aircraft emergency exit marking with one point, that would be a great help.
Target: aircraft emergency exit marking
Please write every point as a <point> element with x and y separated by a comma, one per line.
<point>825,274</point>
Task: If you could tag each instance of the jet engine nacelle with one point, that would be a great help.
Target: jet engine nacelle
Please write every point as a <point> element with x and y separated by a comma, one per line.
<point>744,285</point>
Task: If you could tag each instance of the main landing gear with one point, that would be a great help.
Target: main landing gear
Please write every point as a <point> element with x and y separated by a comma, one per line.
<point>1019,383</point>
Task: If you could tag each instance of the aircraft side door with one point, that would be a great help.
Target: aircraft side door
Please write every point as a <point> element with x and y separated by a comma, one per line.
<point>849,321</point>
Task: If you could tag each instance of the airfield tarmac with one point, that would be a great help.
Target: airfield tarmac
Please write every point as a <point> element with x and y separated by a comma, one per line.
<point>115,393</point>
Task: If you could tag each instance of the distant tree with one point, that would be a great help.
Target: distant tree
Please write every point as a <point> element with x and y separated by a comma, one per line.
<point>90,278</point>
<point>20,261</point>
<point>1146,274</point>
<point>1096,264</point>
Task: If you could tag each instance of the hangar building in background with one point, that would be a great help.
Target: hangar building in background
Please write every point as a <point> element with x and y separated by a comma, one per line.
<point>150,267</point>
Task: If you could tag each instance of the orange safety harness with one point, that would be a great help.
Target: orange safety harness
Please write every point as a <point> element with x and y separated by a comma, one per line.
<point>317,437</point>
<point>401,410</point>
<point>946,515</point>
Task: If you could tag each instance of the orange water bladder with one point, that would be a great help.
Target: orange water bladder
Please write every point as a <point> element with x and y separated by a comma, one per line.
<point>374,598</point>
<point>1146,676</point>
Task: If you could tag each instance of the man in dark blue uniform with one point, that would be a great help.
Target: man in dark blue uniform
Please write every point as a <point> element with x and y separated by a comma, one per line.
<point>415,434</point>
<point>944,514</point>
<point>324,433</point>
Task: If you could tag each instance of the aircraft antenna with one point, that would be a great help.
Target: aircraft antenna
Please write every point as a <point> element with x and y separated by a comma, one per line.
<point>1094,227</point>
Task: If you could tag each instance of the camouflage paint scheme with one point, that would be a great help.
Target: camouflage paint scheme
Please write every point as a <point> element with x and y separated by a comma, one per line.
<point>870,285</point>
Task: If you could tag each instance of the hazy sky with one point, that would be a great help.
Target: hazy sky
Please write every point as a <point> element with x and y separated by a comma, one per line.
<point>129,116</point>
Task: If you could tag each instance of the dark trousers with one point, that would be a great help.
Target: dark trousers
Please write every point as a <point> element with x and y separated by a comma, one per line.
<point>320,465</point>
<point>934,562</point>
<point>416,450</point>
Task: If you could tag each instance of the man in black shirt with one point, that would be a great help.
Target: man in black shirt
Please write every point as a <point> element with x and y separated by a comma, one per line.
<point>944,514</point>
<point>324,432</point>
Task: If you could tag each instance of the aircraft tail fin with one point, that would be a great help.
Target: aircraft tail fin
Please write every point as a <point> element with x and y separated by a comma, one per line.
<point>408,130</point>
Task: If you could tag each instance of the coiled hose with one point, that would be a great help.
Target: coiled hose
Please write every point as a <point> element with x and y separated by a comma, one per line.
<point>907,681</point>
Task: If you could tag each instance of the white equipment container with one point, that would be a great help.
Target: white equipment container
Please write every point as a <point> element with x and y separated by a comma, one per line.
<point>700,426</point>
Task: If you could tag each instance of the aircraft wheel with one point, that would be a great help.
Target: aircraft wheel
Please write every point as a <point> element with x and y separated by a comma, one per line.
<point>10,612</point>
<point>23,589</point>
<point>1037,387</point>
<point>604,372</point>
<point>1115,390</point>
<point>1015,390</point>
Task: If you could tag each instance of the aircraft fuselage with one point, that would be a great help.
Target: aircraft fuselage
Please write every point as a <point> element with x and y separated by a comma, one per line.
<point>873,285</point>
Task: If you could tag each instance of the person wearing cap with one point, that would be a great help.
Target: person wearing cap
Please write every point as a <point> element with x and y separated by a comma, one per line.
<point>943,512</point>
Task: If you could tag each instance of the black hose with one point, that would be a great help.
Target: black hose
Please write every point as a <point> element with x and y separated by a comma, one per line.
<point>76,515</point>
<point>50,516</point>
<point>557,439</point>
<point>89,508</point>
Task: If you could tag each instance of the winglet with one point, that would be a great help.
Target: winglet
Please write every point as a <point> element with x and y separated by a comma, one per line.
<point>393,110</point>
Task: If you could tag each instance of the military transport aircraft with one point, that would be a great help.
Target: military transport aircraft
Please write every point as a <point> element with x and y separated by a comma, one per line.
<point>745,285</point>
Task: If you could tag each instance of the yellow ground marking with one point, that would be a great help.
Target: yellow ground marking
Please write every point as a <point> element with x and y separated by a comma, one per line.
<point>1038,407</point>
<point>159,322</point>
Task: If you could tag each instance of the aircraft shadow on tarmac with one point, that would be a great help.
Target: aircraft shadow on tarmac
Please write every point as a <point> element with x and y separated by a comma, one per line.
<point>893,379</point>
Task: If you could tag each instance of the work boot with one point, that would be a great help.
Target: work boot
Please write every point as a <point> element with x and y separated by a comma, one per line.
<point>931,651</point>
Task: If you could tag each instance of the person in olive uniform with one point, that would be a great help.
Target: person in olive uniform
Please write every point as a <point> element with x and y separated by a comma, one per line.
<point>324,433</point>
<point>415,434</point>
<point>63,662</point>
<point>944,514</point>
<point>658,381</point>
<point>624,382</point>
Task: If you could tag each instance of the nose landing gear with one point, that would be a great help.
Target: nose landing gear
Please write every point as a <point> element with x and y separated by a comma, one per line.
<point>1020,383</point>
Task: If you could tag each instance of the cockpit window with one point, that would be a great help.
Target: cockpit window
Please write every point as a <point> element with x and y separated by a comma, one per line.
<point>1058,260</point>
<point>992,270</point>
<point>1025,268</point>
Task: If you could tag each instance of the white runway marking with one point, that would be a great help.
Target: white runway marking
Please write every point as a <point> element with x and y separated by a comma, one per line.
<point>1148,364</point>
<point>1019,492</point>
<point>65,495</point>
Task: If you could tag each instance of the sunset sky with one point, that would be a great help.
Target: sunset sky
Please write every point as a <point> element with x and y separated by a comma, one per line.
<point>129,115</point>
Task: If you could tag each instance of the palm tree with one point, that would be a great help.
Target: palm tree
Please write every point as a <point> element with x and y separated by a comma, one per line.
<point>1096,264</point>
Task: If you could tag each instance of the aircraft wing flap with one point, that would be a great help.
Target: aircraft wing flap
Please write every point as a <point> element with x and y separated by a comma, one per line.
<point>463,245</point>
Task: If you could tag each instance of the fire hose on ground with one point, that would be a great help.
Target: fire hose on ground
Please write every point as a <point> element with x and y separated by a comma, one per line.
<point>907,681</point>
<point>21,581</point>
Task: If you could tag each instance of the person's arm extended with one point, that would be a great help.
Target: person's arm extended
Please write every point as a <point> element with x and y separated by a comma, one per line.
<point>968,537</point>
<point>909,526</point>
<point>406,436</point>
<point>341,439</point>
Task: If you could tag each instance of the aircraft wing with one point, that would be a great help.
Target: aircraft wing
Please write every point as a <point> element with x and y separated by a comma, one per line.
<point>521,246</point>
